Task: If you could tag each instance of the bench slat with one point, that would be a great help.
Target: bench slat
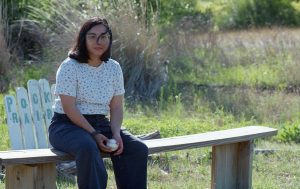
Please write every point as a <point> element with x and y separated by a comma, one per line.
<point>52,92</point>
<point>26,119</point>
<point>36,110</point>
<point>209,139</point>
<point>13,122</point>
<point>33,156</point>
<point>46,100</point>
<point>155,145</point>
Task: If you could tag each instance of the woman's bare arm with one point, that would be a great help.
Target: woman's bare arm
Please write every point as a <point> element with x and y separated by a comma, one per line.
<point>116,119</point>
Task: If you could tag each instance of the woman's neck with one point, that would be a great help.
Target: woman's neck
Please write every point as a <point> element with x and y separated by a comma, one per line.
<point>95,62</point>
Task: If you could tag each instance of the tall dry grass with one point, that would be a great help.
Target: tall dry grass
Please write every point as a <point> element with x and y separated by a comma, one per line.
<point>136,45</point>
<point>142,56</point>
<point>5,55</point>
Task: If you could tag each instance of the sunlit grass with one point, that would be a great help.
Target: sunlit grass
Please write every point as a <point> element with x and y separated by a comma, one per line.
<point>263,58</point>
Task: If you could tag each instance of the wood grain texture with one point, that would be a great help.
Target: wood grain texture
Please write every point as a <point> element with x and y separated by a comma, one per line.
<point>33,156</point>
<point>26,119</point>
<point>224,166</point>
<point>13,123</point>
<point>209,139</point>
<point>37,113</point>
<point>21,176</point>
<point>232,166</point>
<point>45,176</point>
<point>245,165</point>
<point>37,176</point>
<point>46,98</point>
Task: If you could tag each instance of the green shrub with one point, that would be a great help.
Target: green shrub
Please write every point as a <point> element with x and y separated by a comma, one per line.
<point>251,13</point>
<point>290,133</point>
<point>257,13</point>
<point>172,10</point>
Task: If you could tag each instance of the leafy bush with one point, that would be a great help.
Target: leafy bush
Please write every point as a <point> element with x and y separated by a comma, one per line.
<point>290,133</point>
<point>265,13</point>
<point>173,10</point>
<point>255,13</point>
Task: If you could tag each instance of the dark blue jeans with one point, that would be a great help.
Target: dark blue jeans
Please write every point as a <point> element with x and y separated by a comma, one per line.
<point>130,167</point>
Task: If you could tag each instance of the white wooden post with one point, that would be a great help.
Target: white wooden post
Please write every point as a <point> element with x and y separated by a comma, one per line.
<point>46,101</point>
<point>13,123</point>
<point>26,118</point>
<point>36,109</point>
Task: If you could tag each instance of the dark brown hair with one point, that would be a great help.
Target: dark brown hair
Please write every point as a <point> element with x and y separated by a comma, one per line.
<point>79,51</point>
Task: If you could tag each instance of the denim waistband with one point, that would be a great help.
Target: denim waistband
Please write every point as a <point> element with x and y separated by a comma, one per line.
<point>96,120</point>
<point>95,116</point>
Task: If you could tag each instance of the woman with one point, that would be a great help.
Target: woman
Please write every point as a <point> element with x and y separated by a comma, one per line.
<point>89,87</point>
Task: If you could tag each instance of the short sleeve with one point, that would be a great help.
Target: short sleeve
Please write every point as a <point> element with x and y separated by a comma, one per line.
<point>66,81</point>
<point>119,81</point>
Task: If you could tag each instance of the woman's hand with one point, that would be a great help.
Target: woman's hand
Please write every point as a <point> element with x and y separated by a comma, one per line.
<point>101,141</point>
<point>116,118</point>
<point>119,140</point>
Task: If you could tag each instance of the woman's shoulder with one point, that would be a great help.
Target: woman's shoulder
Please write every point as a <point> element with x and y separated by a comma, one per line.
<point>69,63</point>
<point>113,64</point>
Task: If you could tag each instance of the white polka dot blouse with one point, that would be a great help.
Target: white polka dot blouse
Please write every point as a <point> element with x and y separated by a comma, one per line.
<point>93,87</point>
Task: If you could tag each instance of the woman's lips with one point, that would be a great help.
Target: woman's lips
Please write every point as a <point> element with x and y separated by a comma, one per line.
<point>98,48</point>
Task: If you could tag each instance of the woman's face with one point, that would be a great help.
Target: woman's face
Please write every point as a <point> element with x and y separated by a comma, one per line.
<point>97,41</point>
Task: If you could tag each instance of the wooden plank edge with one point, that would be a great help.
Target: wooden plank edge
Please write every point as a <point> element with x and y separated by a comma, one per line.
<point>164,148</point>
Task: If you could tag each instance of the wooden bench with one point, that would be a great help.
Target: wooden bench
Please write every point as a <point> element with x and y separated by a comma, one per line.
<point>26,167</point>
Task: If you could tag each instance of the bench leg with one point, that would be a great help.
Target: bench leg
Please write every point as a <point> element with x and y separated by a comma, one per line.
<point>38,176</point>
<point>232,166</point>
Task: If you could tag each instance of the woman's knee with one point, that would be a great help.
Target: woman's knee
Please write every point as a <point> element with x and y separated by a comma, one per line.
<point>141,149</point>
<point>87,146</point>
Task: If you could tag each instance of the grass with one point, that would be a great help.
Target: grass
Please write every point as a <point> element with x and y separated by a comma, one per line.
<point>170,124</point>
<point>3,127</point>
<point>265,58</point>
<point>278,170</point>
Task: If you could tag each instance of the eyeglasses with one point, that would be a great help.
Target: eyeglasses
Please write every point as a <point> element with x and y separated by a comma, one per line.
<point>104,38</point>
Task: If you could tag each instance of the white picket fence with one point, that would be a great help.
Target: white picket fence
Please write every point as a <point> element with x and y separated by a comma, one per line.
<point>28,117</point>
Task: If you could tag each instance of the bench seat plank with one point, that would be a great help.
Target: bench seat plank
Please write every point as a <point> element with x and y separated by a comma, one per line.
<point>33,156</point>
<point>214,138</point>
<point>209,139</point>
